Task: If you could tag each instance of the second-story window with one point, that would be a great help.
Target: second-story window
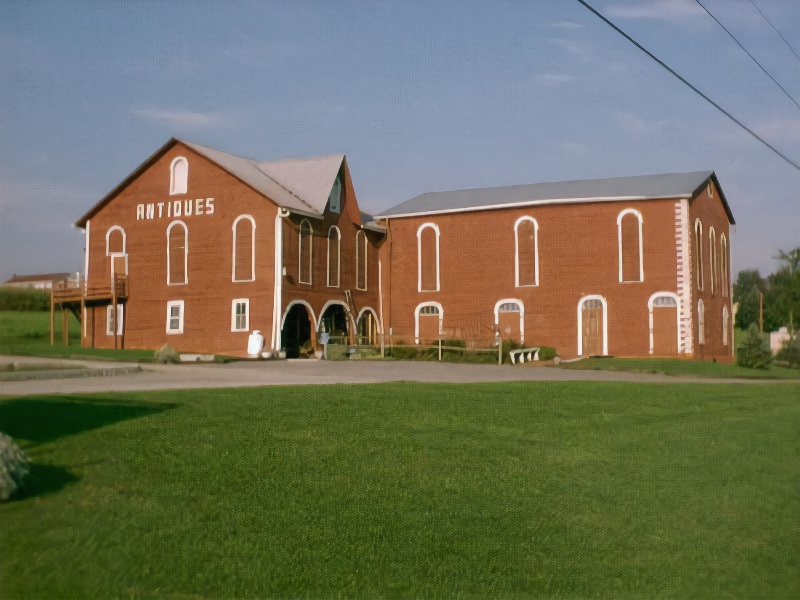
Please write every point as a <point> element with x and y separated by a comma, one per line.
<point>428,258</point>
<point>526,252</point>
<point>177,253</point>
<point>179,176</point>
<point>334,256</point>
<point>629,239</point>
<point>244,238</point>
<point>306,239</point>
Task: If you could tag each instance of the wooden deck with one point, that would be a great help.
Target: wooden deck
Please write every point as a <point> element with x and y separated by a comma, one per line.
<point>73,298</point>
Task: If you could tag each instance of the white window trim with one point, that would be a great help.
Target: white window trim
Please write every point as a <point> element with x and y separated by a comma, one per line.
<point>698,249</point>
<point>185,254</point>
<point>252,249</point>
<point>701,322</point>
<point>124,239</point>
<point>580,322</point>
<point>120,318</point>
<point>115,255</point>
<point>521,305</point>
<point>178,187</point>
<point>726,320</point>
<point>435,227</point>
<point>650,306</point>
<point>338,258</point>
<point>416,318</point>
<point>712,257</point>
<point>246,302</point>
<point>363,234</point>
<point>620,217</point>
<point>303,223</point>
<point>723,242</point>
<point>517,223</point>
<point>170,304</point>
<point>367,309</point>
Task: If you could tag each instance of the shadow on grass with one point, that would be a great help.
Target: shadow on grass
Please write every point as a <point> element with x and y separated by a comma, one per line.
<point>42,480</point>
<point>41,420</point>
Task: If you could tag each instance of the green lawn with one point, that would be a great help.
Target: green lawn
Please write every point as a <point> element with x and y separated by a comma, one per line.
<point>567,490</point>
<point>679,367</point>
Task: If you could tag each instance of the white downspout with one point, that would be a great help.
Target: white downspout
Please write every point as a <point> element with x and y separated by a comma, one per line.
<point>380,304</point>
<point>277,309</point>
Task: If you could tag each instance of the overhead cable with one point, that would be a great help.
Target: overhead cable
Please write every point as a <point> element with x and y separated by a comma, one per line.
<point>733,37</point>
<point>693,88</point>
<point>785,41</point>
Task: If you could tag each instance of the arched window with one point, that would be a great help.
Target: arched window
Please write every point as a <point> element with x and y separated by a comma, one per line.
<point>177,253</point>
<point>698,253</point>
<point>701,322</point>
<point>178,176</point>
<point>244,249</point>
<point>725,324</point>
<point>334,256</point>
<point>428,322</point>
<point>361,260</point>
<point>116,250</point>
<point>712,257</point>
<point>335,199</point>
<point>724,283</point>
<point>526,252</point>
<point>428,258</point>
<point>629,239</point>
<point>306,246</point>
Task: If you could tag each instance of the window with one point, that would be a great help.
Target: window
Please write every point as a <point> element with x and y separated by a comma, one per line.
<point>240,315</point>
<point>115,251</point>
<point>725,324</point>
<point>428,322</point>
<point>698,253</point>
<point>526,252</point>
<point>305,250</point>
<point>244,246</point>
<point>175,316</point>
<point>361,260</point>
<point>177,253</point>
<point>111,317</point>
<point>665,302</point>
<point>724,284</point>
<point>178,176</point>
<point>629,239</point>
<point>710,190</point>
<point>335,199</point>
<point>712,257</point>
<point>334,256</point>
<point>428,258</point>
<point>701,323</point>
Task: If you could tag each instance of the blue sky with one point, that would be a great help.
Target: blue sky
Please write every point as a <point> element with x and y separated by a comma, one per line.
<point>420,96</point>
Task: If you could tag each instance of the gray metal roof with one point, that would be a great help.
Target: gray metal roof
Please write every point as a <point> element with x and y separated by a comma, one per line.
<point>642,187</point>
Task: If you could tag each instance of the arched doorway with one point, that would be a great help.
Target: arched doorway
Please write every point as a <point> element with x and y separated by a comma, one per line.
<point>664,324</point>
<point>335,321</point>
<point>509,320</point>
<point>297,330</point>
<point>367,329</point>
<point>592,321</point>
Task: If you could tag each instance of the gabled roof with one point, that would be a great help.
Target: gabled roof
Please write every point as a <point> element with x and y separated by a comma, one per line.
<point>643,187</point>
<point>42,277</point>
<point>299,185</point>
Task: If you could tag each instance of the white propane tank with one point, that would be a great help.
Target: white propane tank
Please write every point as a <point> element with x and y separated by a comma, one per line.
<point>254,343</point>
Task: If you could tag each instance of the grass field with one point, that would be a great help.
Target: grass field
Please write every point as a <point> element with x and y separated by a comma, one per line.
<point>567,490</point>
<point>683,368</point>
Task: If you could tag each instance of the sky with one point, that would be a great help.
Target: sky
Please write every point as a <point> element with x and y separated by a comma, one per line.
<point>420,96</point>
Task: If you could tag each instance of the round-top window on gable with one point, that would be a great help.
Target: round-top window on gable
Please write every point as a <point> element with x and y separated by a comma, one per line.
<point>178,176</point>
<point>335,199</point>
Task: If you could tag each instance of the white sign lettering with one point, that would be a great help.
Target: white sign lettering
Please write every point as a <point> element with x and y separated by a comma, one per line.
<point>175,208</point>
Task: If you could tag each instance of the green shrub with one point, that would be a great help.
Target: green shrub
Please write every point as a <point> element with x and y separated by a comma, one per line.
<point>790,353</point>
<point>14,466</point>
<point>547,353</point>
<point>24,299</point>
<point>753,353</point>
<point>167,355</point>
<point>403,352</point>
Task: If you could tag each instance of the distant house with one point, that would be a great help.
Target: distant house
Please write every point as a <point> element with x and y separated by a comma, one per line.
<point>45,281</point>
<point>199,248</point>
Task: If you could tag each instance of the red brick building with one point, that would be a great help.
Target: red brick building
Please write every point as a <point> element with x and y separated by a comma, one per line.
<point>212,247</point>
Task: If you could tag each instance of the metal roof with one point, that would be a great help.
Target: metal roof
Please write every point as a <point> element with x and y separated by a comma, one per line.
<point>642,187</point>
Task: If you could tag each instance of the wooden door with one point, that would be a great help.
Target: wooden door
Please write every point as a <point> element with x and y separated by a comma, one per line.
<point>592,317</point>
<point>508,322</point>
<point>665,326</point>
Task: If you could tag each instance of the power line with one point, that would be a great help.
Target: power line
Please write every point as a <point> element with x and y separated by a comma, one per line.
<point>693,88</point>
<point>763,16</point>
<point>733,37</point>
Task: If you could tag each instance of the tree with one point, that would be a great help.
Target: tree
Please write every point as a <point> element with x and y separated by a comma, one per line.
<point>784,291</point>
<point>749,284</point>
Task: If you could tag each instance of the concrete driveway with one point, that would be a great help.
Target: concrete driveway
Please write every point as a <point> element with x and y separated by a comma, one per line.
<point>118,377</point>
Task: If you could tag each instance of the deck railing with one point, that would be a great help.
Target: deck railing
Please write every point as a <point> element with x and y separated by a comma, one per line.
<point>117,287</point>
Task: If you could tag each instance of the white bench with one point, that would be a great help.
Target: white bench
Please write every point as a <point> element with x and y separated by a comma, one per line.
<point>524,353</point>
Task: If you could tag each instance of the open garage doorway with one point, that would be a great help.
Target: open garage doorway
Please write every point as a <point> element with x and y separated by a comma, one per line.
<point>297,331</point>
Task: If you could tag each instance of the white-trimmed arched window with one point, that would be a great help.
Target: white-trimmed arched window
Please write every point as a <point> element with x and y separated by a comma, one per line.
<point>305,252</point>
<point>526,252</point>
<point>723,251</point>
<point>361,260</point>
<point>177,253</point>
<point>428,258</point>
<point>712,257</point>
<point>335,198</point>
<point>178,176</point>
<point>244,249</point>
<point>629,240</point>
<point>116,243</point>
<point>428,318</point>
<point>334,256</point>
<point>698,253</point>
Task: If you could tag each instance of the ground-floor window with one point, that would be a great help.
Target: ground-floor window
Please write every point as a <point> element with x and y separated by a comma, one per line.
<point>240,314</point>
<point>175,316</point>
<point>113,317</point>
